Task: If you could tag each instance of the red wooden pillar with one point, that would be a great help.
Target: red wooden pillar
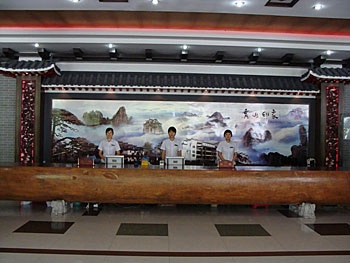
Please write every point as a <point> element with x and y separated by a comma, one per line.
<point>28,91</point>
<point>28,120</point>
<point>332,126</point>
<point>330,143</point>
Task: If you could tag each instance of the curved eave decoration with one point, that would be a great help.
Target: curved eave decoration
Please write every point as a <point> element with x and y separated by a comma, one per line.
<point>29,68</point>
<point>152,90</point>
<point>327,75</point>
<point>178,84</point>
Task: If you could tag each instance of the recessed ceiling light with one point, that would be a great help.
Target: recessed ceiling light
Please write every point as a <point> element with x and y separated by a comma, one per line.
<point>155,2</point>
<point>184,47</point>
<point>329,52</point>
<point>239,3</point>
<point>259,49</point>
<point>75,1</point>
<point>36,45</point>
<point>318,6</point>
<point>110,45</point>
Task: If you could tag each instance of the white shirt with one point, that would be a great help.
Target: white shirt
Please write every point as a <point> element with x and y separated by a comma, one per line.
<point>171,147</point>
<point>227,149</point>
<point>109,147</point>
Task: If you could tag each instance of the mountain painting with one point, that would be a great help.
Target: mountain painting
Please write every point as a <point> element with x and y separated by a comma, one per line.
<point>265,134</point>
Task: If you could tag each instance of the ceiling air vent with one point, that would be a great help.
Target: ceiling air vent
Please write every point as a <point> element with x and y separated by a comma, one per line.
<point>114,1</point>
<point>281,3</point>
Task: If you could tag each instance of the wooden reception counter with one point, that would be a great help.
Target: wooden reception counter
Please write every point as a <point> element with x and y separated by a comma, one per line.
<point>188,186</point>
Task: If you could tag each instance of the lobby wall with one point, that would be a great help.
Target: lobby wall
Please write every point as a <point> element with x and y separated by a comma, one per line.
<point>8,121</point>
<point>346,143</point>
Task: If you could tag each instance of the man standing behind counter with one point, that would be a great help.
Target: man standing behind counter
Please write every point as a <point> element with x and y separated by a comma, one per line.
<point>171,147</point>
<point>108,146</point>
<point>227,151</point>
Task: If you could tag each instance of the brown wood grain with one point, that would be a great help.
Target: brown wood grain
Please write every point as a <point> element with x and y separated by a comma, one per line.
<point>174,186</point>
<point>173,20</point>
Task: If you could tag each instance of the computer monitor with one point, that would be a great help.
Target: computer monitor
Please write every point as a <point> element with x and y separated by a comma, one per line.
<point>114,161</point>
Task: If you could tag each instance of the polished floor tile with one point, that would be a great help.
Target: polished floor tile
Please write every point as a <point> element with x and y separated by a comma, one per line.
<point>241,230</point>
<point>181,233</point>
<point>331,229</point>
<point>288,213</point>
<point>47,227</point>
<point>92,212</point>
<point>130,229</point>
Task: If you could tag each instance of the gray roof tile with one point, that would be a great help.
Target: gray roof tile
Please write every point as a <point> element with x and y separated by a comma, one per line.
<point>137,79</point>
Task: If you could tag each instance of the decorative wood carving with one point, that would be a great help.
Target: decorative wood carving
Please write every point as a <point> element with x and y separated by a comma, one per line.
<point>332,126</point>
<point>27,122</point>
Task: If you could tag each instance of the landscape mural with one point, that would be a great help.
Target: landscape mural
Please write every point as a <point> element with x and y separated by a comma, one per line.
<point>265,134</point>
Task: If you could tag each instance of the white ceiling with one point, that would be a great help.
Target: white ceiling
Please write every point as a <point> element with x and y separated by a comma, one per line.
<point>303,8</point>
<point>167,43</point>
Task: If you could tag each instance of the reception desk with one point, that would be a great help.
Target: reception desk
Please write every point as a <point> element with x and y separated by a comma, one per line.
<point>192,185</point>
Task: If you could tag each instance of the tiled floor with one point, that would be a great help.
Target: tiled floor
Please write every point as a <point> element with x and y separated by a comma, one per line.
<point>182,233</point>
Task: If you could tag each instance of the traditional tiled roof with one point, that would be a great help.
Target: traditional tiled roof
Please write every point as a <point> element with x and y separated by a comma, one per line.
<point>177,82</point>
<point>15,68</point>
<point>336,75</point>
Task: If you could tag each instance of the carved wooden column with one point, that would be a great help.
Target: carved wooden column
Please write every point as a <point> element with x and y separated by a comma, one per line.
<point>28,120</point>
<point>332,126</point>
<point>331,82</point>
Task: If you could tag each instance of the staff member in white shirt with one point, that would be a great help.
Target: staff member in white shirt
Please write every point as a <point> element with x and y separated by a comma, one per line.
<point>108,146</point>
<point>227,149</point>
<point>171,147</point>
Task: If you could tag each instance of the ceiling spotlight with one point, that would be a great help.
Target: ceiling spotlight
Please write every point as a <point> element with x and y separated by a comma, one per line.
<point>113,54</point>
<point>319,60</point>
<point>36,45</point>
<point>75,1</point>
<point>253,57</point>
<point>329,52</point>
<point>149,54</point>
<point>44,54</point>
<point>219,56</point>
<point>287,58</point>
<point>110,45</point>
<point>10,53</point>
<point>184,47</point>
<point>318,7</point>
<point>259,49</point>
<point>184,55</point>
<point>155,2</point>
<point>78,53</point>
<point>346,63</point>
<point>239,3</point>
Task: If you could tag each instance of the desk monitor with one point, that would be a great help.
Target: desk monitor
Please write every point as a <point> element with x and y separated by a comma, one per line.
<point>114,161</point>
<point>174,162</point>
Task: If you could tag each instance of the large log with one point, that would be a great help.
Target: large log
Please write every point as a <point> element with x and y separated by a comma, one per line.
<point>174,186</point>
